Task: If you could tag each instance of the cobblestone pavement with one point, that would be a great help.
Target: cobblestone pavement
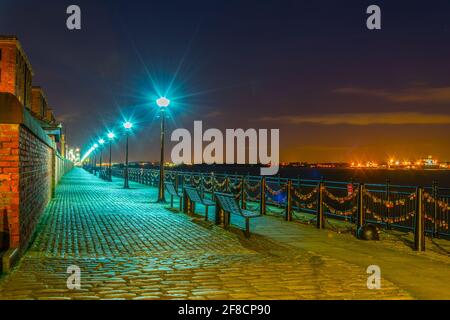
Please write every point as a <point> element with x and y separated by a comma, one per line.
<point>130,248</point>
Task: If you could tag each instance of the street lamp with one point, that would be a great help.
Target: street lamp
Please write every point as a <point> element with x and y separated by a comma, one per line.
<point>163,103</point>
<point>101,142</point>
<point>111,137</point>
<point>95,146</point>
<point>127,125</point>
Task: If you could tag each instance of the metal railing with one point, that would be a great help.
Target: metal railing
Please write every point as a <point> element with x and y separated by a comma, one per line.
<point>389,206</point>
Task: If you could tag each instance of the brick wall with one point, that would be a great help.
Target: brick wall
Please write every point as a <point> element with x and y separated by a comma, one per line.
<point>38,103</point>
<point>9,185</point>
<point>8,67</point>
<point>30,168</point>
<point>62,166</point>
<point>16,74</point>
<point>35,181</point>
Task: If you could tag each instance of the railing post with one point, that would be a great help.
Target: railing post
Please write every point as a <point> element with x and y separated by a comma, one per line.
<point>181,182</point>
<point>436,215</point>
<point>352,219</point>
<point>263,196</point>
<point>289,201</point>
<point>202,185</point>
<point>388,198</point>
<point>243,196</point>
<point>176,181</point>
<point>361,209</point>
<point>227,184</point>
<point>419,230</point>
<point>320,218</point>
<point>279,185</point>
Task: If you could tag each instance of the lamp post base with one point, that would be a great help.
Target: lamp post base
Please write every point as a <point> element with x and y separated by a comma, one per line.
<point>161,201</point>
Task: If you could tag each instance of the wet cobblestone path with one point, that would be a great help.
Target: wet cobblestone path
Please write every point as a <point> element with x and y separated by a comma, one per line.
<point>130,248</point>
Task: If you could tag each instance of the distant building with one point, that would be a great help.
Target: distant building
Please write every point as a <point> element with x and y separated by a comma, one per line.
<point>39,105</point>
<point>16,73</point>
<point>50,117</point>
<point>16,77</point>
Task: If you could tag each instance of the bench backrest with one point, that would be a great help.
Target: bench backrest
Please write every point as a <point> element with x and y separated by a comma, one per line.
<point>171,188</point>
<point>228,203</point>
<point>193,194</point>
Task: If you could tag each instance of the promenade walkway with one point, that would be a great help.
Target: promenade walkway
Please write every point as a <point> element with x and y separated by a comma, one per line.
<point>128,247</point>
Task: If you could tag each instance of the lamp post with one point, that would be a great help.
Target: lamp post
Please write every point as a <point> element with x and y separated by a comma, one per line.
<point>101,143</point>
<point>163,103</point>
<point>95,159</point>
<point>111,136</point>
<point>127,125</point>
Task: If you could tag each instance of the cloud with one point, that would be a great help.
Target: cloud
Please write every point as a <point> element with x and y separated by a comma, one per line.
<point>416,94</point>
<point>364,119</point>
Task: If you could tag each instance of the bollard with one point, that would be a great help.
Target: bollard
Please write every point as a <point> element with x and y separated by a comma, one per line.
<point>361,213</point>
<point>320,217</point>
<point>262,208</point>
<point>289,201</point>
<point>419,230</point>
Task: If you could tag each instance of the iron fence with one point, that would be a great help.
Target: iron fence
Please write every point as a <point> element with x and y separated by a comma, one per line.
<point>321,201</point>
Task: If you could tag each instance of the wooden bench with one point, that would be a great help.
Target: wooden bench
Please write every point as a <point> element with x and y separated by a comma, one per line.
<point>228,204</point>
<point>192,196</point>
<point>170,187</point>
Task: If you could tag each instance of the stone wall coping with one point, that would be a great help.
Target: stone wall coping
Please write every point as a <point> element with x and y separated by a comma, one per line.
<point>12,112</point>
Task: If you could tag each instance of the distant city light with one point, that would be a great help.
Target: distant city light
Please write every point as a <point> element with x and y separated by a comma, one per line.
<point>101,141</point>
<point>163,102</point>
<point>111,135</point>
<point>424,163</point>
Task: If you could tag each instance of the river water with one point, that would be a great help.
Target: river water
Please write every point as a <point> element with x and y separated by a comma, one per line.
<point>400,177</point>
<point>397,177</point>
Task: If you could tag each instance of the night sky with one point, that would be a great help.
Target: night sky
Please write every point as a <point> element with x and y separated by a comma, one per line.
<point>336,90</point>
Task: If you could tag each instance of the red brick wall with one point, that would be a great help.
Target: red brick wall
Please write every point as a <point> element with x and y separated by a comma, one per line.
<point>26,181</point>
<point>16,75</point>
<point>8,67</point>
<point>35,182</point>
<point>9,185</point>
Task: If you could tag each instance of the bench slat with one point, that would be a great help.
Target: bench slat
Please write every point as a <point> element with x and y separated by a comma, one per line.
<point>171,189</point>
<point>194,196</point>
